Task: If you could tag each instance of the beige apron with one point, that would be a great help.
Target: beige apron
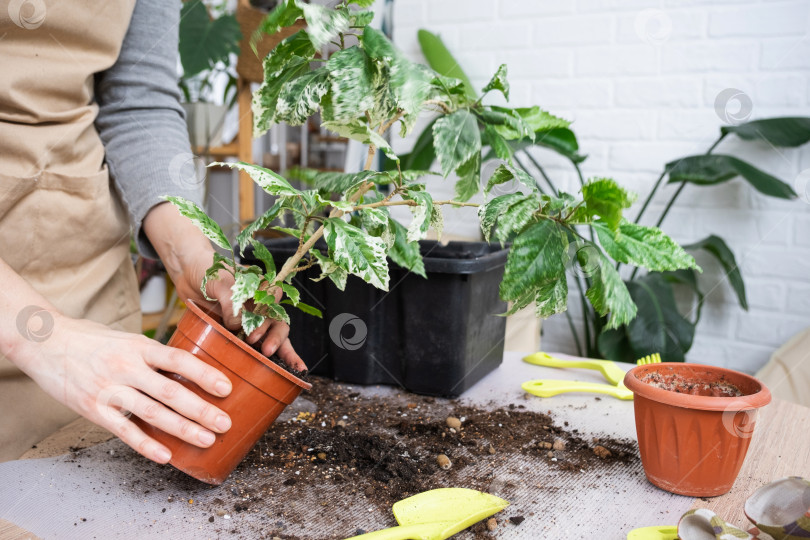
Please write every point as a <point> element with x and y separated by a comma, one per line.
<point>62,226</point>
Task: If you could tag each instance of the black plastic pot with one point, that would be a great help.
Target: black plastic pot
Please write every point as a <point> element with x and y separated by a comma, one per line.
<point>435,336</point>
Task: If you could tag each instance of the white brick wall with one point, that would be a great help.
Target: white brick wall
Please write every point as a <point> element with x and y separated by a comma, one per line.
<point>640,78</point>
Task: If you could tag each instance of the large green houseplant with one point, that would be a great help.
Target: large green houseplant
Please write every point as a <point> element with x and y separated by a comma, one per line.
<point>208,43</point>
<point>361,91</point>
<point>659,326</point>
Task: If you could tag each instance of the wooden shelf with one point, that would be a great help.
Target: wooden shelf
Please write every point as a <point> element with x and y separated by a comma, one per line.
<point>152,320</point>
<point>227,150</point>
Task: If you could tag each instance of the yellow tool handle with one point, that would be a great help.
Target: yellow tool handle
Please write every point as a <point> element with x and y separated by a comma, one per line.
<point>545,359</point>
<point>549,387</point>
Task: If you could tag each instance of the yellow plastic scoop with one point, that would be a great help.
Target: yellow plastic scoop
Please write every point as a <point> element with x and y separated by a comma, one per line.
<point>438,514</point>
<point>613,373</point>
<point>551,387</point>
<point>663,532</point>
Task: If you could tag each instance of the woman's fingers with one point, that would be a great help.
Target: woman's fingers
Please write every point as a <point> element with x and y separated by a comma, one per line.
<point>126,430</point>
<point>275,336</point>
<point>163,418</point>
<point>290,357</point>
<point>189,366</point>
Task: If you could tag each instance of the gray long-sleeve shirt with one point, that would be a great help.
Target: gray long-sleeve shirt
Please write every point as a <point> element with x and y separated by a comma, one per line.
<point>140,120</point>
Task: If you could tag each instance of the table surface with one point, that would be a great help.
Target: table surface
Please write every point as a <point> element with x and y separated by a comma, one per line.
<point>778,447</point>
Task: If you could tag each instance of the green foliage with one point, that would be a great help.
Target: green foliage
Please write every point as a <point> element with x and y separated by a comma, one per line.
<point>643,246</point>
<point>356,252</point>
<point>717,247</point>
<point>440,59</point>
<point>456,140</point>
<point>208,226</point>
<point>606,199</point>
<point>498,82</point>
<point>777,131</point>
<point>714,169</point>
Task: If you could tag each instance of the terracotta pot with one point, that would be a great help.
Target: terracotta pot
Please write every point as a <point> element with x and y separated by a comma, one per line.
<point>261,390</point>
<point>694,445</point>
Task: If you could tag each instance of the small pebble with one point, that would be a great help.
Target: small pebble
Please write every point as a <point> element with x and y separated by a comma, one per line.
<point>492,524</point>
<point>517,520</point>
<point>453,422</point>
<point>545,445</point>
<point>559,444</point>
<point>550,454</point>
<point>220,513</point>
<point>211,519</point>
<point>444,461</point>
<point>491,449</point>
<point>321,455</point>
<point>226,516</point>
<point>601,452</point>
<point>341,423</point>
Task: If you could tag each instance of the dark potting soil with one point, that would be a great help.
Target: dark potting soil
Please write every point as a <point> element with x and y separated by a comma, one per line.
<point>279,362</point>
<point>685,385</point>
<point>384,449</point>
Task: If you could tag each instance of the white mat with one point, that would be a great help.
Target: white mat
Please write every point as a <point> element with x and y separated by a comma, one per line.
<point>91,494</point>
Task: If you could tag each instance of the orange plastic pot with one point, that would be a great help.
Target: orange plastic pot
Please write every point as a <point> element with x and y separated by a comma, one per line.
<point>261,390</point>
<point>694,445</point>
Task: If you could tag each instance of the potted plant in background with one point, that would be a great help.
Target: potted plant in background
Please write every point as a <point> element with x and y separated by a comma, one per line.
<point>361,91</point>
<point>659,326</point>
<point>209,42</point>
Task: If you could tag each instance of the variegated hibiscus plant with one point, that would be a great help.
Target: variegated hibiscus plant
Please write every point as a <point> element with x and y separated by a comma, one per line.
<point>362,89</point>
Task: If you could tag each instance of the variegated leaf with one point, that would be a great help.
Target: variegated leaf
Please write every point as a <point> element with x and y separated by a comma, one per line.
<point>422,214</point>
<point>498,82</point>
<point>323,23</point>
<point>360,131</point>
<point>456,139</point>
<point>244,287</point>
<point>208,226</point>
<point>263,254</point>
<point>291,292</point>
<point>270,181</point>
<point>220,263</point>
<point>301,97</point>
<point>469,179</point>
<point>356,252</point>
<point>251,321</point>
<point>329,269</point>
<point>263,222</point>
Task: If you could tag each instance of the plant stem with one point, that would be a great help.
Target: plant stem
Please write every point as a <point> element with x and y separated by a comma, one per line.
<point>542,172</point>
<point>585,314</point>
<point>649,198</point>
<point>440,104</point>
<point>674,195</point>
<point>525,169</point>
<point>408,203</point>
<point>574,332</point>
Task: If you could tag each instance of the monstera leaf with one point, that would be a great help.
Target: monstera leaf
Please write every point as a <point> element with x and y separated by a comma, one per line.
<point>205,42</point>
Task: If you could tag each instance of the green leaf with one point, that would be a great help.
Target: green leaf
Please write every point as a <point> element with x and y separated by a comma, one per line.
<point>306,308</point>
<point>659,327</point>
<point>291,292</point>
<point>511,212</point>
<point>500,147</point>
<point>362,3</point>
<point>244,287</point>
<point>687,277</point>
<point>469,178</point>
<point>261,252</point>
<point>406,254</point>
<point>360,131</point>
<point>643,246</point>
<point>789,131</point>
<point>608,293</point>
<point>705,170</point>
<point>536,118</point>
<point>498,82</point>
<point>536,259</point>
<point>205,42</point>
<point>357,252</point>
<point>456,139</point>
<point>353,89</point>
<point>561,140</point>
<point>613,344</point>
<point>552,298</point>
<point>718,247</point>
<point>270,181</point>
<point>337,182</point>
<point>506,173</point>
<point>251,321</point>
<point>220,263</point>
<point>421,214</point>
<point>278,313</point>
<point>329,269</point>
<point>408,82</point>
<point>442,62</point>
<point>301,97</point>
<point>506,122</point>
<point>263,222</point>
<point>606,199</point>
<point>423,154</point>
<point>323,23</point>
<point>208,226</point>
<point>360,18</point>
<point>283,15</point>
<point>374,220</point>
<point>288,60</point>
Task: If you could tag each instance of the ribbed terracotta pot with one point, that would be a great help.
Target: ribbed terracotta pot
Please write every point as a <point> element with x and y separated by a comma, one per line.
<point>689,444</point>
<point>261,390</point>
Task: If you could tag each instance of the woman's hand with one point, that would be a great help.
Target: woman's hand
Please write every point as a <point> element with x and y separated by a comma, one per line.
<point>187,254</point>
<point>104,375</point>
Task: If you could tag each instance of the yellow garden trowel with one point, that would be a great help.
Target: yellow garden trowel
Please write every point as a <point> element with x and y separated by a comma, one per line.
<point>438,514</point>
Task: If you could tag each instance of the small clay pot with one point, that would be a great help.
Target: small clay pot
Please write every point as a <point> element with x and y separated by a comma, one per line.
<point>261,390</point>
<point>690,444</point>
